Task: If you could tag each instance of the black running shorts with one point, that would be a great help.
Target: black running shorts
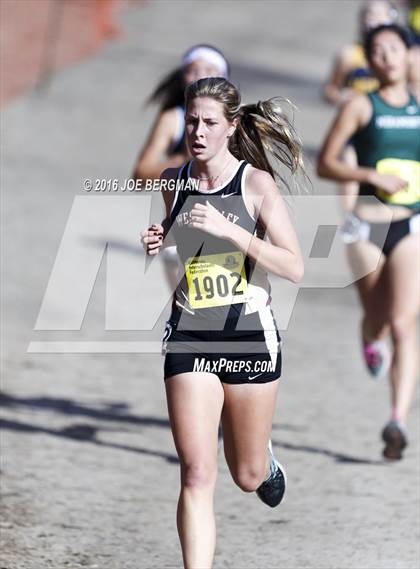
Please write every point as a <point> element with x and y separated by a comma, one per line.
<point>251,356</point>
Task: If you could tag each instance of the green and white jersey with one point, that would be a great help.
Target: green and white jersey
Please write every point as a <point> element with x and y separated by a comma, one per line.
<point>390,143</point>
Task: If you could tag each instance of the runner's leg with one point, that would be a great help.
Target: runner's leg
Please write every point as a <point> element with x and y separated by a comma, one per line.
<point>247,421</point>
<point>195,401</point>
<point>372,289</point>
<point>403,268</point>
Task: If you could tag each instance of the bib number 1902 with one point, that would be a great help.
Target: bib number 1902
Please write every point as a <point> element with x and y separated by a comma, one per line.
<point>221,288</point>
<point>216,280</point>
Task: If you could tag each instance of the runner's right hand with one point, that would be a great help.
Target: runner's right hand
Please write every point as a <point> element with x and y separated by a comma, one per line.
<point>389,183</point>
<point>152,239</point>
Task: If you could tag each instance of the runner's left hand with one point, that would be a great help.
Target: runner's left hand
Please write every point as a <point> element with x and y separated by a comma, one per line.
<point>209,219</point>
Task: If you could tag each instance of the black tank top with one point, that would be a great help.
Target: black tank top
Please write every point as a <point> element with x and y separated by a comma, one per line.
<point>220,281</point>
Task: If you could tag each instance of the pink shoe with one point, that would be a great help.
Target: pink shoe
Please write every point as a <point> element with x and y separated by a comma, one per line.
<point>377,357</point>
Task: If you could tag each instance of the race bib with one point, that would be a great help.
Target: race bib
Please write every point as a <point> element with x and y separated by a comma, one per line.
<point>216,280</point>
<point>408,170</point>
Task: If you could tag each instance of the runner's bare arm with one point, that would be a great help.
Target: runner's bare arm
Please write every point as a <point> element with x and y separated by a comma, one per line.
<point>353,116</point>
<point>151,160</point>
<point>335,91</point>
<point>281,255</point>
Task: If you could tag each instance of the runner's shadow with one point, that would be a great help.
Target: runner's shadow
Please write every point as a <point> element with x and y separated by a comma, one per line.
<point>338,456</point>
<point>114,412</point>
<point>85,433</point>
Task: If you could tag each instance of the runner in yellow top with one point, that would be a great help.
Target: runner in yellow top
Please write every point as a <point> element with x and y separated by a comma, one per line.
<point>414,25</point>
<point>351,75</point>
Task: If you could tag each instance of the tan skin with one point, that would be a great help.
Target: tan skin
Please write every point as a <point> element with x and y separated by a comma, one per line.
<point>389,295</point>
<point>197,402</point>
<point>153,158</point>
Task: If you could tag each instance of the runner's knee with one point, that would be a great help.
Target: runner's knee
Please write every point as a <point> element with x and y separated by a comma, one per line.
<point>250,477</point>
<point>198,475</point>
<point>402,327</point>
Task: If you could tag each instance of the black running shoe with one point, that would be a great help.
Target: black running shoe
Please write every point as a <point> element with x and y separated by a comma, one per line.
<point>394,436</point>
<point>272,490</point>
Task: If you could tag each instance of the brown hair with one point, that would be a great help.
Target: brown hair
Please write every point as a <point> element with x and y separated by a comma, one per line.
<point>263,132</point>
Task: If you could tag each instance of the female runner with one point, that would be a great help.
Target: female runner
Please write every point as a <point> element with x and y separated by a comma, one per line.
<point>222,347</point>
<point>165,146</point>
<point>385,129</point>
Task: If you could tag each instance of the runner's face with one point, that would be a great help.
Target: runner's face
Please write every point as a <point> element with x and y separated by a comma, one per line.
<point>206,127</point>
<point>389,57</point>
<point>200,69</point>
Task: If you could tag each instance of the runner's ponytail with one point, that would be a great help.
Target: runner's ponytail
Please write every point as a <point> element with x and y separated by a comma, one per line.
<point>264,132</point>
<point>264,136</point>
